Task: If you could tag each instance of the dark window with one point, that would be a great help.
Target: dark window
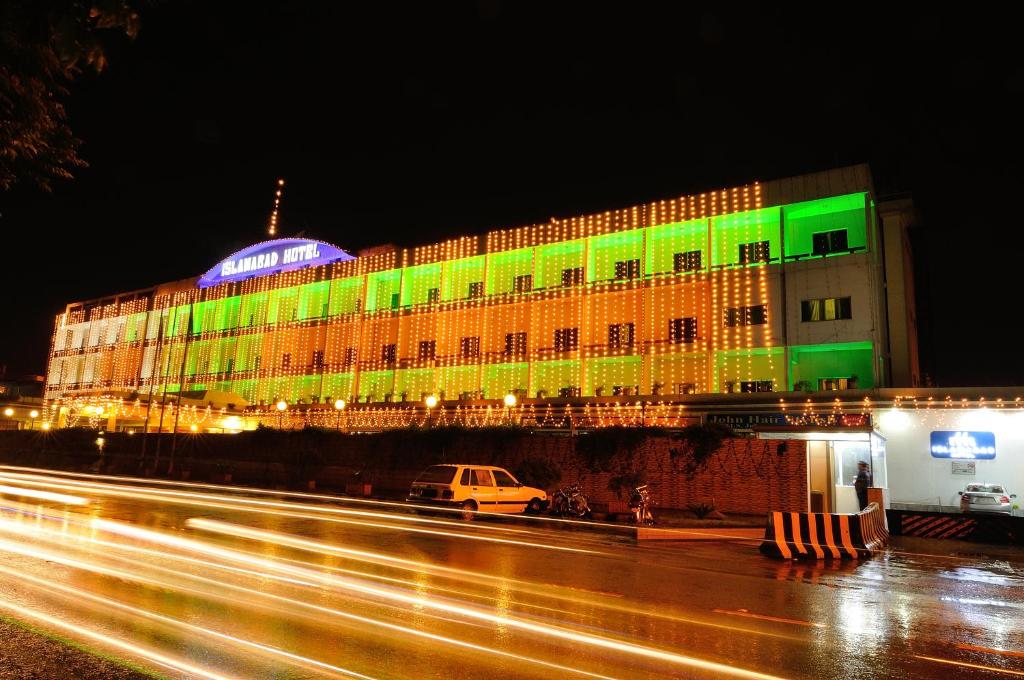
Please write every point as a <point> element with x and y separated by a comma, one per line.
<point>515,344</point>
<point>627,269</point>
<point>682,331</point>
<point>567,339</point>
<point>437,474</point>
<point>746,316</point>
<point>686,388</point>
<point>620,335</point>
<point>350,356</point>
<point>395,300</point>
<point>323,310</point>
<point>830,242</point>
<point>572,276</point>
<point>522,284</point>
<point>388,353</point>
<point>433,295</point>
<point>476,289</point>
<point>758,251</point>
<point>464,479</point>
<point>834,384</point>
<point>686,262</point>
<point>318,359</point>
<point>570,391</point>
<point>482,478</point>
<point>428,348</point>
<point>231,366</point>
<point>826,309</point>
<point>469,347</point>
<point>286,360</point>
<point>503,478</point>
<point>256,363</point>
<point>756,386</point>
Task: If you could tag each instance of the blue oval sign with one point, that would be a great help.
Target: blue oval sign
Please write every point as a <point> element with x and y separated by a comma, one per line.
<point>272,257</point>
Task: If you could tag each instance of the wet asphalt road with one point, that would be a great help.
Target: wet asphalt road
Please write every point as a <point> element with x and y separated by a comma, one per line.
<point>202,581</point>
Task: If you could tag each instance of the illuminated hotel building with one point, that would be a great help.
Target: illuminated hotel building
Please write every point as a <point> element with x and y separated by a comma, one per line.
<point>800,283</point>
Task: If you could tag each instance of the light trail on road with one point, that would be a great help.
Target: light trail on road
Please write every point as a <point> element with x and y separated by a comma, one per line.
<point>267,584</point>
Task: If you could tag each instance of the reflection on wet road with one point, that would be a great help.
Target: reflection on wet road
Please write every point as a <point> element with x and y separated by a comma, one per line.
<point>195,580</point>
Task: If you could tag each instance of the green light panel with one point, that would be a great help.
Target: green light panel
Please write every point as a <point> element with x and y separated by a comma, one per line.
<point>503,268</point>
<point>803,220</point>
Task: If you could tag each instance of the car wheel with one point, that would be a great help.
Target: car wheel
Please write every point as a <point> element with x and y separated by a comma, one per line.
<point>534,507</point>
<point>468,510</point>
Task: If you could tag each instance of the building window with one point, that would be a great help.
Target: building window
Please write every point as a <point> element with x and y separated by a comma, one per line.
<point>428,348</point>
<point>350,356</point>
<point>69,340</point>
<point>318,359</point>
<point>686,262</point>
<point>826,309</point>
<point>682,331</point>
<point>572,276</point>
<point>396,299</point>
<point>746,316</point>
<point>567,339</point>
<point>620,335</point>
<point>522,284</point>
<point>388,353</point>
<point>627,269</point>
<point>756,386</point>
<point>469,347</point>
<point>515,344</point>
<point>476,289</point>
<point>230,365</point>
<point>685,388</point>
<point>833,384</point>
<point>758,251</point>
<point>286,360</point>
<point>830,242</point>
<point>571,391</point>
<point>433,294</point>
<point>256,362</point>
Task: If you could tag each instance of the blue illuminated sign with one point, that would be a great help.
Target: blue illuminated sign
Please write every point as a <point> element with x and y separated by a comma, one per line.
<point>272,257</point>
<point>964,445</point>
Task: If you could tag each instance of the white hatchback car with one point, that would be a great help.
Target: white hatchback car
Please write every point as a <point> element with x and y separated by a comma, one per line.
<point>986,498</point>
<point>476,487</point>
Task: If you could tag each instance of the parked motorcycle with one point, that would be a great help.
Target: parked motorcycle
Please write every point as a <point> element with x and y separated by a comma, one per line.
<point>640,505</point>
<point>570,502</point>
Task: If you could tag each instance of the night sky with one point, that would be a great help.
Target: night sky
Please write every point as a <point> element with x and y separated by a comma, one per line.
<point>410,124</point>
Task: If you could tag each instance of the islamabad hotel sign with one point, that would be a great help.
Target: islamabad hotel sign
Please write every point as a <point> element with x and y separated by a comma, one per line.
<point>963,445</point>
<point>272,257</point>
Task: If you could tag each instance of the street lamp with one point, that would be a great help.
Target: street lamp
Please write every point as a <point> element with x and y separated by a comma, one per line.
<point>8,412</point>
<point>100,441</point>
<point>193,427</point>
<point>430,402</point>
<point>281,407</point>
<point>339,406</point>
<point>32,415</point>
<point>45,426</point>
<point>510,402</point>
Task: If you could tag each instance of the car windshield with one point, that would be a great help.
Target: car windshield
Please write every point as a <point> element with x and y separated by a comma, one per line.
<point>437,474</point>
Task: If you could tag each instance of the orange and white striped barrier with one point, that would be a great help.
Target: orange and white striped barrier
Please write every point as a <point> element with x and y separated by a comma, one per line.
<point>823,536</point>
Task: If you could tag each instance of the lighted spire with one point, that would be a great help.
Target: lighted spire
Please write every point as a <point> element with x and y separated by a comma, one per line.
<point>272,226</point>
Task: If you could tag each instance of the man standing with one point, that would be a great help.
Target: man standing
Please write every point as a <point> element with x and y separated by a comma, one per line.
<point>861,484</point>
